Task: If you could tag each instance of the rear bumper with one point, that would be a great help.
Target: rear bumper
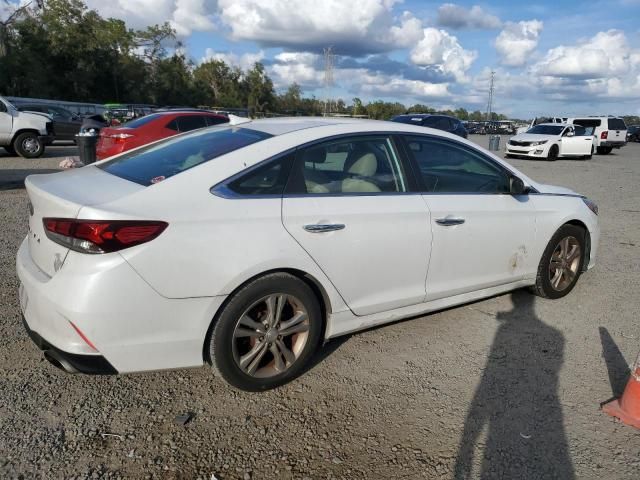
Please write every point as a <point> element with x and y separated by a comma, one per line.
<point>71,362</point>
<point>608,143</point>
<point>131,326</point>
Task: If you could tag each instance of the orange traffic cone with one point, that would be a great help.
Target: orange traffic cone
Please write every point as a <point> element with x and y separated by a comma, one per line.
<point>627,407</point>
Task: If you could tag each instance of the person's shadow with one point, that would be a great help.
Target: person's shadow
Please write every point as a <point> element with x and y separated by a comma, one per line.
<point>517,403</point>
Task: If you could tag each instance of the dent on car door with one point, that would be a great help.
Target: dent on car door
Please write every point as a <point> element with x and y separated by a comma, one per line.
<point>482,235</point>
<point>348,204</point>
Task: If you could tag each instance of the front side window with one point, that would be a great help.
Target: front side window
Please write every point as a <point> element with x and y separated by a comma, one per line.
<point>349,166</point>
<point>446,167</point>
<point>164,159</point>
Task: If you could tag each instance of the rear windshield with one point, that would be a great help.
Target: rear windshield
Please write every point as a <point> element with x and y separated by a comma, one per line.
<point>165,159</point>
<point>138,122</point>
<point>407,119</point>
<point>617,124</point>
<point>546,129</point>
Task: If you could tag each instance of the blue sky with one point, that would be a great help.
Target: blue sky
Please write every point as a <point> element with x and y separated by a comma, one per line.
<point>550,57</point>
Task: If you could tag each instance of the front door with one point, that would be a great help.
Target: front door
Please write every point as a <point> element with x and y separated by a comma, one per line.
<point>573,144</point>
<point>482,235</point>
<point>348,205</point>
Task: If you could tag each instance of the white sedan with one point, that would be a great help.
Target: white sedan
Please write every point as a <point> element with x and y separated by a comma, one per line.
<point>247,246</point>
<point>552,141</point>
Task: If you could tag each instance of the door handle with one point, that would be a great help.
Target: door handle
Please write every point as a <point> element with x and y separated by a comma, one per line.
<point>324,227</point>
<point>449,221</point>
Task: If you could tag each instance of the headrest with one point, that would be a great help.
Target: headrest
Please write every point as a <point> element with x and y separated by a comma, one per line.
<point>365,166</point>
<point>315,155</point>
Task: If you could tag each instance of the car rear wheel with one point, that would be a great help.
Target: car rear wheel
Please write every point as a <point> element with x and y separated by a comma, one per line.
<point>561,263</point>
<point>28,145</point>
<point>266,333</point>
<point>604,150</point>
<point>553,153</point>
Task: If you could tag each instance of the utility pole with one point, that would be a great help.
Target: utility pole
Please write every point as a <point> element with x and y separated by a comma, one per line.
<point>329,58</point>
<point>490,103</point>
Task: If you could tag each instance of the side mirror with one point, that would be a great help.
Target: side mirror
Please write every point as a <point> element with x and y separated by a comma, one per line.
<point>517,186</point>
<point>570,133</point>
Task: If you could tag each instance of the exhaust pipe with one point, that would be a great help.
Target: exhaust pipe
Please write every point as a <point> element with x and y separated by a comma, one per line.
<point>57,361</point>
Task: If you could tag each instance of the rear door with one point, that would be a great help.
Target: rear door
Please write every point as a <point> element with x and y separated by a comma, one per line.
<point>617,130</point>
<point>482,235</point>
<point>349,205</point>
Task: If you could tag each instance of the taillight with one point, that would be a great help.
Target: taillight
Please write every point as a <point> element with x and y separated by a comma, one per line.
<point>101,236</point>
<point>604,135</point>
<point>119,137</point>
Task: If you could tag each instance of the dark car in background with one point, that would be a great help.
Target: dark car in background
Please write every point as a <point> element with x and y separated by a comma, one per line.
<point>156,126</point>
<point>441,122</point>
<point>633,133</point>
<point>65,123</point>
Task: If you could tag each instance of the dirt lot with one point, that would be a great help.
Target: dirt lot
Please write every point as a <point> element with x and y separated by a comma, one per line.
<point>508,387</point>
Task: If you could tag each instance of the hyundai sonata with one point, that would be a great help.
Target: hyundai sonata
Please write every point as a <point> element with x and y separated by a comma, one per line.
<point>246,246</point>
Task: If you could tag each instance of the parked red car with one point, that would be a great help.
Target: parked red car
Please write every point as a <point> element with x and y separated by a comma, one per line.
<point>150,128</point>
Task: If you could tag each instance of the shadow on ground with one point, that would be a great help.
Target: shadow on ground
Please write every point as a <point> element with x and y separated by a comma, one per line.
<point>517,403</point>
<point>11,179</point>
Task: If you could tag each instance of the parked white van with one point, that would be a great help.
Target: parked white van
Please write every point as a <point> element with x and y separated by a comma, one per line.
<point>610,132</point>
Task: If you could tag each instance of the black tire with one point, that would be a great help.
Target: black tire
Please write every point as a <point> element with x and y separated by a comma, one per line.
<point>223,351</point>
<point>28,145</point>
<point>604,150</point>
<point>552,156</point>
<point>588,157</point>
<point>506,155</point>
<point>543,286</point>
<point>9,149</point>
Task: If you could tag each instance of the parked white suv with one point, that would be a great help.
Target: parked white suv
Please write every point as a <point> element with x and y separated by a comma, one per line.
<point>610,132</point>
<point>24,133</point>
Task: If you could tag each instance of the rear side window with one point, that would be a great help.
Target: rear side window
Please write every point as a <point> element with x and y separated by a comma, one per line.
<point>138,122</point>
<point>268,179</point>
<point>211,121</point>
<point>587,122</point>
<point>165,159</point>
<point>407,119</point>
<point>191,122</point>
<point>617,124</point>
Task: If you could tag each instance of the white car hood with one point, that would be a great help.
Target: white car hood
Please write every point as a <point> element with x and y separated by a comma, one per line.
<point>533,137</point>
<point>554,189</point>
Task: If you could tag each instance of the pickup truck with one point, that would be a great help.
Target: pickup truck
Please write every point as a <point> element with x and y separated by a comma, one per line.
<point>24,133</point>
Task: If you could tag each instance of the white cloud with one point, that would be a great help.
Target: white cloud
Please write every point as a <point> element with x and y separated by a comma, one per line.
<point>517,41</point>
<point>298,67</point>
<point>454,16</point>
<point>185,16</point>
<point>604,55</point>
<point>354,27</point>
<point>244,61</point>
<point>438,48</point>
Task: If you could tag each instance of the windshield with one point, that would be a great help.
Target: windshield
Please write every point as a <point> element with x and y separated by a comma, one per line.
<point>165,159</point>
<point>546,129</point>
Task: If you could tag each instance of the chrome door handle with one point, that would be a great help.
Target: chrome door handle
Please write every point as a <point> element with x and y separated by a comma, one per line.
<point>448,221</point>
<point>324,227</point>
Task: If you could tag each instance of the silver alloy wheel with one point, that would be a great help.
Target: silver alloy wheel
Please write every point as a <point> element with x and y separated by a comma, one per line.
<point>31,145</point>
<point>564,264</point>
<point>270,335</point>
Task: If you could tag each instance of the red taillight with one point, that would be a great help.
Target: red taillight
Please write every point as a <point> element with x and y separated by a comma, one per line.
<point>101,236</point>
<point>604,135</point>
<point>119,137</point>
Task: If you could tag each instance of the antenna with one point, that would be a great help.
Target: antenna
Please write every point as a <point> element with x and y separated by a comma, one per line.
<point>329,58</point>
<point>490,103</point>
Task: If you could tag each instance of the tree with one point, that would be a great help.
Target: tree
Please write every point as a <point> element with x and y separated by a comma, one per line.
<point>259,88</point>
<point>220,82</point>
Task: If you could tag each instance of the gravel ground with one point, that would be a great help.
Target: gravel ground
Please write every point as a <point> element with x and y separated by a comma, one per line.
<point>508,387</point>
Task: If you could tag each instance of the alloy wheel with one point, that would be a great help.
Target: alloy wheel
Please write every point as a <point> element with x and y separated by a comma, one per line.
<point>270,335</point>
<point>30,145</point>
<point>564,264</point>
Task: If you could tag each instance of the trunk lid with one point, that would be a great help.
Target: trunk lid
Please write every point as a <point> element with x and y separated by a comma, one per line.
<point>62,195</point>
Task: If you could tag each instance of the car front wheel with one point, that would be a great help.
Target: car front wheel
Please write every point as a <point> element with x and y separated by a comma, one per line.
<point>561,263</point>
<point>266,333</point>
<point>553,153</point>
<point>28,145</point>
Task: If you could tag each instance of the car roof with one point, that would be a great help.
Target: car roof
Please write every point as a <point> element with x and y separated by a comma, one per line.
<point>557,124</point>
